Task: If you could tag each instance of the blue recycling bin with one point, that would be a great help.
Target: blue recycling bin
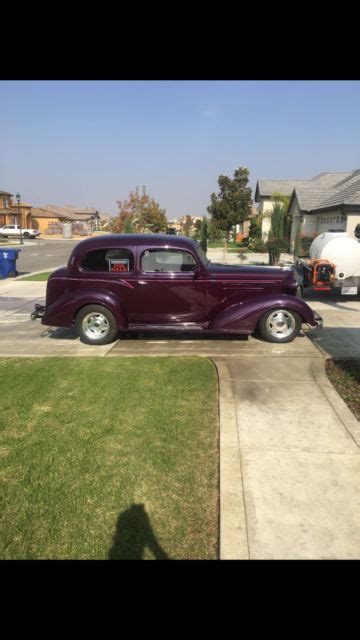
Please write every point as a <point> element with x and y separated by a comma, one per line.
<point>8,259</point>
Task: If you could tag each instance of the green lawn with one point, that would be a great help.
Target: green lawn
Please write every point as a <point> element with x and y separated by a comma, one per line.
<point>109,458</point>
<point>38,276</point>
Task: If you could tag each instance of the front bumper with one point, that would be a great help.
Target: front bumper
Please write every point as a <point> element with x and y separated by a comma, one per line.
<point>319,322</point>
<point>38,312</point>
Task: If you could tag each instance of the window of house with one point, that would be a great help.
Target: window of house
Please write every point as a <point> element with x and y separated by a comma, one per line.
<point>110,260</point>
<point>167,260</point>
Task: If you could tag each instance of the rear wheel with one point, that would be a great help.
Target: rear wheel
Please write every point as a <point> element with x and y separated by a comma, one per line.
<point>280,325</point>
<point>96,325</point>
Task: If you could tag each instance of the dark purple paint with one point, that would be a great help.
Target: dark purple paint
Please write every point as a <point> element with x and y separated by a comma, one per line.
<point>217,298</point>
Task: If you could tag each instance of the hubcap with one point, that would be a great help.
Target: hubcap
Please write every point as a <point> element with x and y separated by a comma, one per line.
<point>280,323</point>
<point>95,326</point>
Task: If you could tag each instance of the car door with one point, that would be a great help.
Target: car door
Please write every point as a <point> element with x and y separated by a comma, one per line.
<point>170,290</point>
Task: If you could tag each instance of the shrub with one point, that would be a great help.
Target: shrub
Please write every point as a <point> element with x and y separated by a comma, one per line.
<point>304,245</point>
<point>276,246</point>
<point>242,254</point>
<point>244,243</point>
<point>258,245</point>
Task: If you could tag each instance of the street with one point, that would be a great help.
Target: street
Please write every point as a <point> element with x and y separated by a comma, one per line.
<point>42,255</point>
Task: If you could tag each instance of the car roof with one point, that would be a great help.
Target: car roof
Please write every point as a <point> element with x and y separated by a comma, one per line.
<point>134,239</point>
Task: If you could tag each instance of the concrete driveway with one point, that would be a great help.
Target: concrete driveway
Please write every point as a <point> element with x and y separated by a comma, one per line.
<point>340,337</point>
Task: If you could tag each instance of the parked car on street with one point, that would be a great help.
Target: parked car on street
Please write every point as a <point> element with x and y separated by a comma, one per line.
<point>139,282</point>
<point>13,231</point>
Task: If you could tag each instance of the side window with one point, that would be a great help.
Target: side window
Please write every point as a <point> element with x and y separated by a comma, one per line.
<point>167,260</point>
<point>113,260</point>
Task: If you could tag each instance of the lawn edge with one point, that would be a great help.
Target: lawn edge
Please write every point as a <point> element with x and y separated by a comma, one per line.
<point>35,273</point>
<point>350,422</point>
<point>234,543</point>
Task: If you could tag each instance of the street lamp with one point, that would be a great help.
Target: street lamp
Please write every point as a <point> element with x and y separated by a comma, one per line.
<point>18,198</point>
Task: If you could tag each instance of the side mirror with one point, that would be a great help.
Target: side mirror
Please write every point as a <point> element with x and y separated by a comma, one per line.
<point>196,273</point>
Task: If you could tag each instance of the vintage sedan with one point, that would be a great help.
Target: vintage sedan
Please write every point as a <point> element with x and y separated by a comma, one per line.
<point>140,282</point>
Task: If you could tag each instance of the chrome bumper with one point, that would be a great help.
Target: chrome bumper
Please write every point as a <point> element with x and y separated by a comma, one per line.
<point>319,321</point>
<point>38,312</point>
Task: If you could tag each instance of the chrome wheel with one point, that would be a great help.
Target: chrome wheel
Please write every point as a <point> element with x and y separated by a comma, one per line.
<point>95,326</point>
<point>280,323</point>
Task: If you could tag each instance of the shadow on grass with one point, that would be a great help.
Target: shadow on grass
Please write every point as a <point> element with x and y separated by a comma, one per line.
<point>133,534</point>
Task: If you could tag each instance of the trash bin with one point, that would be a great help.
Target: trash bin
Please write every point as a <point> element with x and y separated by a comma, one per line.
<point>8,259</point>
<point>67,230</point>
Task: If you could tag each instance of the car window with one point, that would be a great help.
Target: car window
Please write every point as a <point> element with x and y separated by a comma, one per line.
<point>113,260</point>
<point>167,260</point>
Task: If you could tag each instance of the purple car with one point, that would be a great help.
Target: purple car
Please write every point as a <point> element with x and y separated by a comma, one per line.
<point>140,282</point>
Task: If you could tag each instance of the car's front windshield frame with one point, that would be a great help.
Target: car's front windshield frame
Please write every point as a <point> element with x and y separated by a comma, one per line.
<point>202,255</point>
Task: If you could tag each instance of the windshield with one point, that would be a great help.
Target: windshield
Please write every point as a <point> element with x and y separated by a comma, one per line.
<point>202,254</point>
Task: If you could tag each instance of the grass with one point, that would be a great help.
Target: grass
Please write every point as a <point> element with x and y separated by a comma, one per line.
<point>344,375</point>
<point>109,458</point>
<point>220,245</point>
<point>38,276</point>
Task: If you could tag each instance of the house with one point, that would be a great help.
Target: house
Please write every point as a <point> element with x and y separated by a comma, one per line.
<point>14,213</point>
<point>49,218</point>
<point>327,202</point>
<point>180,224</point>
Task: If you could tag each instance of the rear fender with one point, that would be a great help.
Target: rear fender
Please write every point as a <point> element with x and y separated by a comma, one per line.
<point>243,317</point>
<point>63,311</point>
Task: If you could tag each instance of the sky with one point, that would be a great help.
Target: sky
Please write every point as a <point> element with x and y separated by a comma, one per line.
<point>89,143</point>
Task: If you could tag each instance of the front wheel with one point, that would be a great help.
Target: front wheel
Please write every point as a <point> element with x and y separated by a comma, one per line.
<point>280,325</point>
<point>96,325</point>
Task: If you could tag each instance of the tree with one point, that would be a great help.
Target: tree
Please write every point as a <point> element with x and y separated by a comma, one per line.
<point>233,203</point>
<point>214,233</point>
<point>255,227</point>
<point>277,241</point>
<point>281,205</point>
<point>128,226</point>
<point>204,234</point>
<point>187,226</point>
<point>277,220</point>
<point>140,213</point>
<point>197,227</point>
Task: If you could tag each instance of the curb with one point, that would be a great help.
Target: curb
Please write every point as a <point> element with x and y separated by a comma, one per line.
<point>351,424</point>
<point>34,273</point>
<point>233,527</point>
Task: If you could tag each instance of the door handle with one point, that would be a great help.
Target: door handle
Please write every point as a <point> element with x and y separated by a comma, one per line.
<point>142,282</point>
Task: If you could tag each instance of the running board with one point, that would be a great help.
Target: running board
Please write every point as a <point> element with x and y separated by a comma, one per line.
<point>189,326</point>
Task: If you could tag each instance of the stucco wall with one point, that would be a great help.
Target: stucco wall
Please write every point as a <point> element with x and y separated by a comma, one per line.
<point>266,206</point>
<point>352,220</point>
<point>42,223</point>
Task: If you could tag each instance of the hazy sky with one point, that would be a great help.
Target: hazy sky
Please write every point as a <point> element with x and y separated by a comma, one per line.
<point>90,143</point>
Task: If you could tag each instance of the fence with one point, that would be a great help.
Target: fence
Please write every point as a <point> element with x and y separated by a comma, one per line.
<point>56,228</point>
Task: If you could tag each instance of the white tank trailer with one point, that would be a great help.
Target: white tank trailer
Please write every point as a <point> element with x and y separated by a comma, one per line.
<point>335,263</point>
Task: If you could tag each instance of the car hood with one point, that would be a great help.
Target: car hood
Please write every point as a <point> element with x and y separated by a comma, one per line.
<point>216,269</point>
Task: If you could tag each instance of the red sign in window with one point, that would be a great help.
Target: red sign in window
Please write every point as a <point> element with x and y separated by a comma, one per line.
<point>119,266</point>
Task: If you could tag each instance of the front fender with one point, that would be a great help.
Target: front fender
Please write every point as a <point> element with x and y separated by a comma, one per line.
<point>62,312</point>
<point>244,316</point>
